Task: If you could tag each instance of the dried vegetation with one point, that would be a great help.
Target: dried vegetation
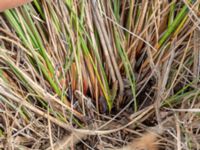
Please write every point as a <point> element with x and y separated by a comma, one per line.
<point>100,74</point>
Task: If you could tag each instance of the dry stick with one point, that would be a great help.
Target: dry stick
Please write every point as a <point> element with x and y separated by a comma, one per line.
<point>110,53</point>
<point>178,135</point>
<point>50,132</point>
<point>196,67</point>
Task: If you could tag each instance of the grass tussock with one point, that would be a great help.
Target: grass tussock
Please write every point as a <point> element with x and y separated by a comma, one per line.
<point>97,74</point>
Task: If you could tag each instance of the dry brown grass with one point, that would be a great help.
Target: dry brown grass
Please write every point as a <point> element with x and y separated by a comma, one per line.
<point>100,74</point>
